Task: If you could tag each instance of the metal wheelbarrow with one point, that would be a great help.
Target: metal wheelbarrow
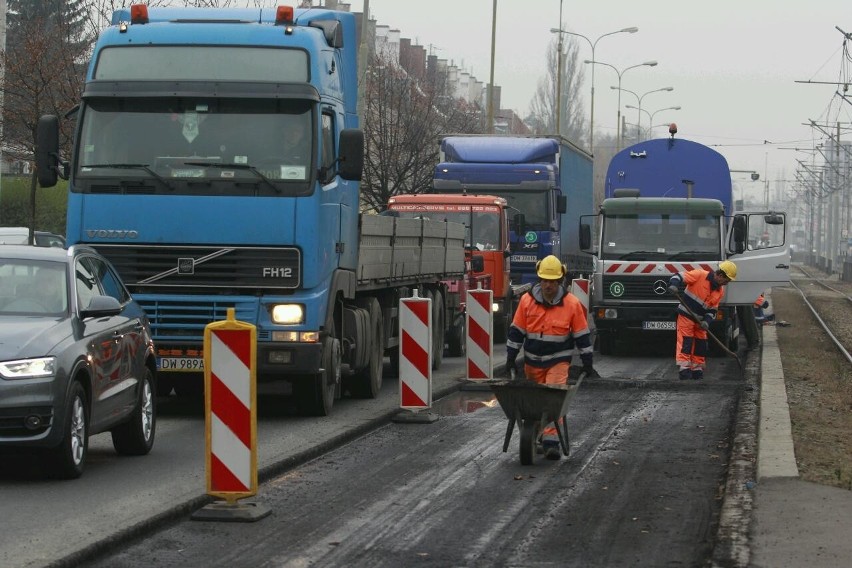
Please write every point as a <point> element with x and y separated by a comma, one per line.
<point>532,406</point>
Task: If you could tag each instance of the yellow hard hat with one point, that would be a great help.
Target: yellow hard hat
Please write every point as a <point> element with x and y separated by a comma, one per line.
<point>549,268</point>
<point>729,268</point>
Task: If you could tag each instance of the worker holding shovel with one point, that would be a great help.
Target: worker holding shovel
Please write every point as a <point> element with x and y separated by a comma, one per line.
<point>702,293</point>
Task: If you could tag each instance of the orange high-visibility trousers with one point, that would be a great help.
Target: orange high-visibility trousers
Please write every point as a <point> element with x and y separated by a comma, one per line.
<point>691,344</point>
<point>555,375</point>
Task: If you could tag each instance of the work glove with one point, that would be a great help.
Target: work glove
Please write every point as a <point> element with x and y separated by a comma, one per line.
<point>765,304</point>
<point>673,290</point>
<point>705,326</point>
<point>511,370</point>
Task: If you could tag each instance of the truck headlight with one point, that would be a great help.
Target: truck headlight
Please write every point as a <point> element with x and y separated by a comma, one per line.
<point>29,368</point>
<point>288,314</point>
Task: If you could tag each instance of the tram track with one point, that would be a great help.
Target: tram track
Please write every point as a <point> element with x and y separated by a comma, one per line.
<point>830,301</point>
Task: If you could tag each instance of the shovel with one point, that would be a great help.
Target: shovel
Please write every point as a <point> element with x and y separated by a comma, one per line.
<point>716,339</point>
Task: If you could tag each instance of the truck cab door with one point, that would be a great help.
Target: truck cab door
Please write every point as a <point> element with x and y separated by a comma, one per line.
<point>758,243</point>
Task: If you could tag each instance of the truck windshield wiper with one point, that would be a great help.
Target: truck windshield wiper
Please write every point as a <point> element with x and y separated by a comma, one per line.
<point>144,167</point>
<point>247,167</point>
<point>689,254</point>
<point>638,254</point>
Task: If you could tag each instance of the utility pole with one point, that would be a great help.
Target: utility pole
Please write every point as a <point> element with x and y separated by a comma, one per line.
<point>491,86</point>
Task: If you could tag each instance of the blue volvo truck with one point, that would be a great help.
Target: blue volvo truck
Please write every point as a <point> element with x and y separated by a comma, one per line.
<point>668,208</point>
<point>216,163</point>
<point>547,180</point>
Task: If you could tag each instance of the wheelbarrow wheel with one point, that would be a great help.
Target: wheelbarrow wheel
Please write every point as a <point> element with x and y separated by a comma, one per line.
<point>529,433</point>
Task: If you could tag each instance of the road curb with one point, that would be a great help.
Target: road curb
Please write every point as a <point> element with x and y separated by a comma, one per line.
<point>732,548</point>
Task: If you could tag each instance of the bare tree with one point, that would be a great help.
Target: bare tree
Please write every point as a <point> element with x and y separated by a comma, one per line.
<point>44,70</point>
<point>542,118</point>
<point>404,117</point>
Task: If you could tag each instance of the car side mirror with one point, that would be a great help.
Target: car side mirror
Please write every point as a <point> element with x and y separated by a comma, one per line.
<point>101,306</point>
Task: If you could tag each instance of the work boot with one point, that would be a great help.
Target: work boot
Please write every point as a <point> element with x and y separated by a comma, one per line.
<point>697,375</point>
<point>551,449</point>
<point>685,374</point>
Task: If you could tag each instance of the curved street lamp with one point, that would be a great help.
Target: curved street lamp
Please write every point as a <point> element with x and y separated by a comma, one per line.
<point>639,100</point>
<point>651,114</point>
<point>592,44</point>
<point>620,74</point>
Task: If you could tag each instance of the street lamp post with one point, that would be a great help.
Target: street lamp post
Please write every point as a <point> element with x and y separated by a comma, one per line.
<point>639,108</point>
<point>592,44</point>
<point>650,114</point>
<point>620,74</point>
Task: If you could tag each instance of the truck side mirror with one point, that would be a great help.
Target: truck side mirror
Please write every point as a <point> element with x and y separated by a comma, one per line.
<point>351,160</point>
<point>477,263</point>
<point>585,236</point>
<point>519,224</point>
<point>47,150</point>
<point>561,204</point>
<point>739,234</point>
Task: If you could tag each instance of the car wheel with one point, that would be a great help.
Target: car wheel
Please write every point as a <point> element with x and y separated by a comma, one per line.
<point>68,459</point>
<point>136,436</point>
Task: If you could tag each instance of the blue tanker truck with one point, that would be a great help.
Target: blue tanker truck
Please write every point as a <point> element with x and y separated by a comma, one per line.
<point>668,208</point>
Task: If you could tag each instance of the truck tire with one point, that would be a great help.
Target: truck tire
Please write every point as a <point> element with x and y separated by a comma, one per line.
<point>367,382</point>
<point>457,338</point>
<point>606,344</point>
<point>315,394</point>
<point>437,328</point>
<point>501,328</point>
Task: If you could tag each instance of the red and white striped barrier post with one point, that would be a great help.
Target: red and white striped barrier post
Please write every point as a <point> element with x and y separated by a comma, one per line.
<point>415,359</point>
<point>230,412</point>
<point>580,289</point>
<point>480,332</point>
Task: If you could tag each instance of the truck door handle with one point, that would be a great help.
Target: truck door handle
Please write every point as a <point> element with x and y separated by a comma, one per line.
<point>784,266</point>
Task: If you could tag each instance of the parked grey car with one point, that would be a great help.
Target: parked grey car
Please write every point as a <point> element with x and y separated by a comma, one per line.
<point>76,357</point>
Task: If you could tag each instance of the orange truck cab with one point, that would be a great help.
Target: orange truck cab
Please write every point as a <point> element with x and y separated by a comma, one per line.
<point>486,246</point>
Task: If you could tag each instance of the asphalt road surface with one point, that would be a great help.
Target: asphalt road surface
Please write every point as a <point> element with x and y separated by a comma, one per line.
<point>642,487</point>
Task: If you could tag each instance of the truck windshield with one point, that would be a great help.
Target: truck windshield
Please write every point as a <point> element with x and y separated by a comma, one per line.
<point>485,227</point>
<point>661,236</point>
<point>536,206</point>
<point>231,146</point>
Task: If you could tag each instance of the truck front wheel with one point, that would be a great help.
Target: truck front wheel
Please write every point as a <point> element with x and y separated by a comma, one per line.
<point>315,395</point>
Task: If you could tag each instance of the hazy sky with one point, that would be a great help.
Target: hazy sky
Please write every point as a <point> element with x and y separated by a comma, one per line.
<point>733,64</point>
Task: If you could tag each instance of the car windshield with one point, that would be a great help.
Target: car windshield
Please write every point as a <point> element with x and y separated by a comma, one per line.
<point>191,144</point>
<point>31,287</point>
<point>661,236</point>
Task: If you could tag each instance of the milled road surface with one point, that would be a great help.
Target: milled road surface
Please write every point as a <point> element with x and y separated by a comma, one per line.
<point>641,488</point>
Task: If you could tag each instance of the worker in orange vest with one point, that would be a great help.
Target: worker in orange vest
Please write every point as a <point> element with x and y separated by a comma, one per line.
<point>702,293</point>
<point>760,304</point>
<point>549,323</point>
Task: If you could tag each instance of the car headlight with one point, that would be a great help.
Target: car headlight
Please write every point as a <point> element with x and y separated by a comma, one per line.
<point>288,313</point>
<point>28,368</point>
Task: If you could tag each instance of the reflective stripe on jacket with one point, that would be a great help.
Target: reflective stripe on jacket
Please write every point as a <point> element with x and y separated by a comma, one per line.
<point>549,332</point>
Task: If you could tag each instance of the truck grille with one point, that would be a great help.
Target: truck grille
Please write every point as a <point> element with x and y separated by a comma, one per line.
<point>150,267</point>
<point>622,287</point>
<point>180,321</point>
